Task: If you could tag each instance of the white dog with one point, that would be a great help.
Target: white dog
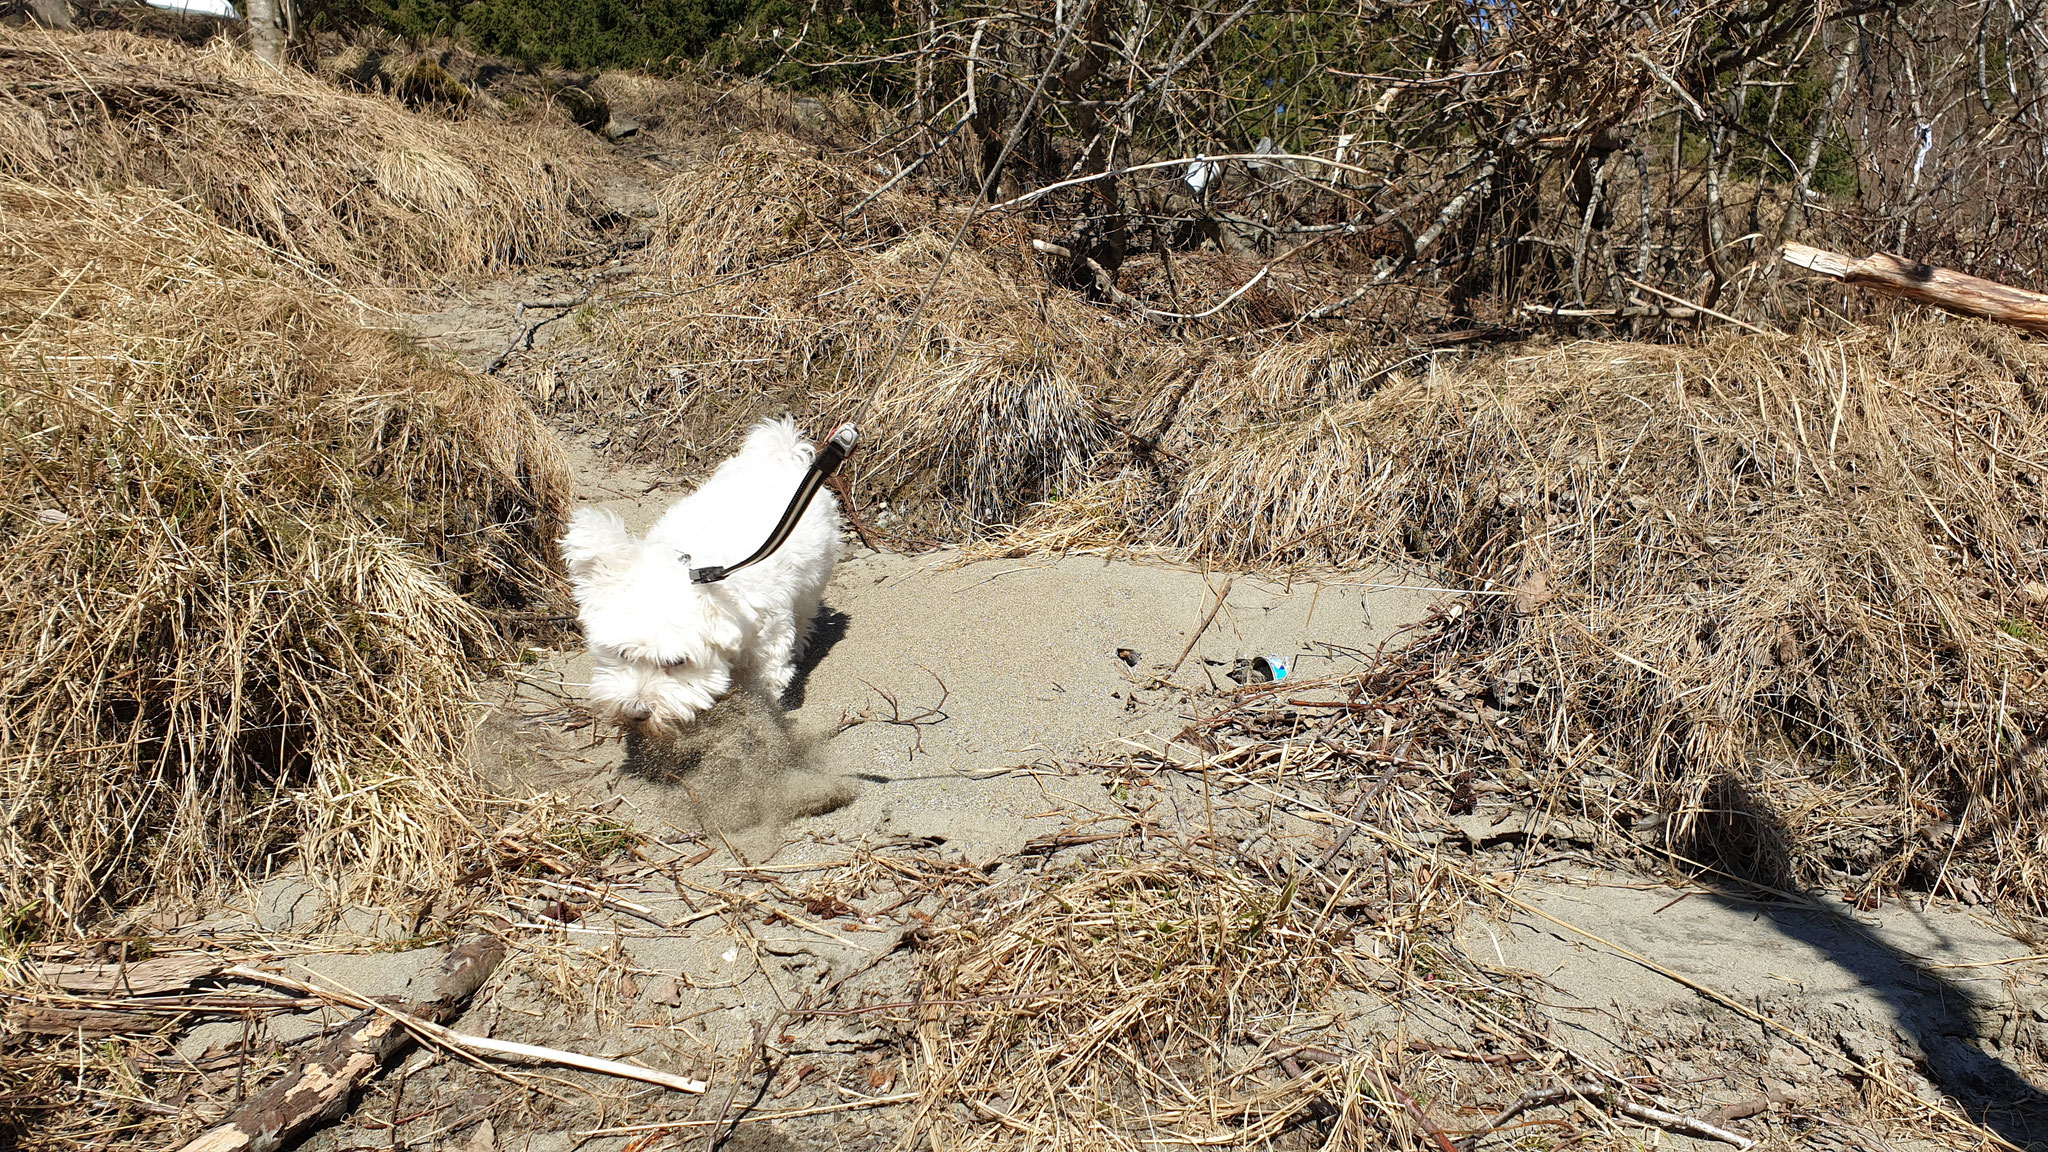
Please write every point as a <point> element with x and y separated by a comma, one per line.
<point>664,648</point>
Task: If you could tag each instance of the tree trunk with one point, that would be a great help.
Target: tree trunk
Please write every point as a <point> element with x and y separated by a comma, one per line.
<point>50,13</point>
<point>266,31</point>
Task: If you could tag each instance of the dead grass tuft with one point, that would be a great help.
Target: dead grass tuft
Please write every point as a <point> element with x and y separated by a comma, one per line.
<point>256,552</point>
<point>763,201</point>
<point>351,184</point>
<point>1120,1002</point>
<point>983,429</point>
<point>1175,997</point>
<point>781,288</point>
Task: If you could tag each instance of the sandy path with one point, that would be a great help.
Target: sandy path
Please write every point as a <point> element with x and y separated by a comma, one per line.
<point>963,686</point>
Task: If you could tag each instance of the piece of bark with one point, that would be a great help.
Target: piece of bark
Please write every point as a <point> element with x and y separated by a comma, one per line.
<point>142,978</point>
<point>322,1088</point>
<point>1944,288</point>
<point>53,1021</point>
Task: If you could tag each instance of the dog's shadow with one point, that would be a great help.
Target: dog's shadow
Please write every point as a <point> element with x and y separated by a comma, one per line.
<point>827,630</point>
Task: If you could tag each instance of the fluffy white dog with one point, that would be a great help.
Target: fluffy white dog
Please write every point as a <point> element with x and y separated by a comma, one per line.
<point>666,649</point>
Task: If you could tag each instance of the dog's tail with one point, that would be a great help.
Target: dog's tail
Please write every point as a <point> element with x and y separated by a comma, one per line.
<point>778,439</point>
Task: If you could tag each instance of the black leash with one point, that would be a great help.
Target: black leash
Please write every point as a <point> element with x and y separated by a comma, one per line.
<point>827,462</point>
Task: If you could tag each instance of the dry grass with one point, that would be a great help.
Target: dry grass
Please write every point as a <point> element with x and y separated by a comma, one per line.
<point>351,184</point>
<point>1131,1004</point>
<point>767,200</point>
<point>696,113</point>
<point>783,283</point>
<point>1174,998</point>
<point>257,552</point>
<point>1821,553</point>
<point>1290,960</point>
<point>1301,958</point>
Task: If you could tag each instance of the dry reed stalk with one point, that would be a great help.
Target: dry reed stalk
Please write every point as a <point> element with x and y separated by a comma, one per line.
<point>352,184</point>
<point>257,555</point>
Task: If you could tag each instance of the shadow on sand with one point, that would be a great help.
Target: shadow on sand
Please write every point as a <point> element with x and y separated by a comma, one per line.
<point>826,632</point>
<point>1745,838</point>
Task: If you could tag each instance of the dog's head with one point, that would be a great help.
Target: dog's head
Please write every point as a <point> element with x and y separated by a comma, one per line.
<point>662,648</point>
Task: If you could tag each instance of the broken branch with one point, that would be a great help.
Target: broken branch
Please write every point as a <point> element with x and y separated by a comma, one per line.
<point>321,1088</point>
<point>463,1041</point>
<point>1944,288</point>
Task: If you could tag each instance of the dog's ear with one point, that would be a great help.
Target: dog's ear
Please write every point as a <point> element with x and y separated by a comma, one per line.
<point>596,545</point>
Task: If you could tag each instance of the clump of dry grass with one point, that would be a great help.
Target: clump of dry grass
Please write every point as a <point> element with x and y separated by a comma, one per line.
<point>785,285</point>
<point>698,113</point>
<point>764,201</point>
<point>984,427</point>
<point>1179,998</point>
<point>1111,1007</point>
<point>255,553</point>
<point>351,184</point>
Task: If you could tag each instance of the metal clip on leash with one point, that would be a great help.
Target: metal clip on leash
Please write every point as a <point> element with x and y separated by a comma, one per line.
<point>835,451</point>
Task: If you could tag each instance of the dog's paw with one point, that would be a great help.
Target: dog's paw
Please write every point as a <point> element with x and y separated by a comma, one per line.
<point>776,680</point>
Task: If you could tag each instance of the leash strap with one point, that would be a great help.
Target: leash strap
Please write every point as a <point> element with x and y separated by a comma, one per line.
<point>827,461</point>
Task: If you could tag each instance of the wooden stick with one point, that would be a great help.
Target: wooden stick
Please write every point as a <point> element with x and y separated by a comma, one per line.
<point>1601,1094</point>
<point>1206,621</point>
<point>1697,307</point>
<point>141,978</point>
<point>1944,288</point>
<point>427,1029</point>
<point>756,1117</point>
<point>321,1088</point>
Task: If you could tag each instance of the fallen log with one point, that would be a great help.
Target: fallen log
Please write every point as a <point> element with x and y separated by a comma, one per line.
<point>1944,288</point>
<point>322,1087</point>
